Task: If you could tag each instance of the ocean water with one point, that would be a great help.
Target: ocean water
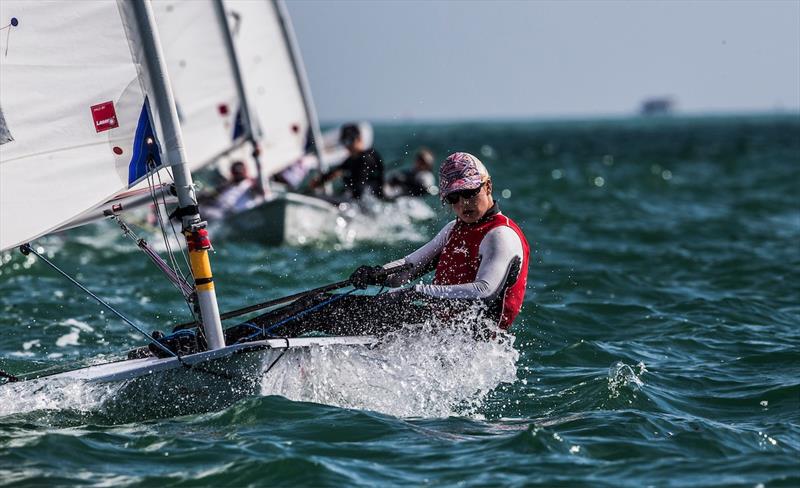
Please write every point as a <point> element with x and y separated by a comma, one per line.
<point>659,344</point>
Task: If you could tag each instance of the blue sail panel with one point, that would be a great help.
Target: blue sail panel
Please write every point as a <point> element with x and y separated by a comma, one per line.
<point>145,147</point>
<point>238,126</point>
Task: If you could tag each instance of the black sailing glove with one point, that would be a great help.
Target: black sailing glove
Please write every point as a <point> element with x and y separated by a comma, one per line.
<point>368,275</point>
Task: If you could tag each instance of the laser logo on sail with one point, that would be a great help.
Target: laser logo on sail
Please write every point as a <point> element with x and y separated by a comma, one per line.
<point>105,116</point>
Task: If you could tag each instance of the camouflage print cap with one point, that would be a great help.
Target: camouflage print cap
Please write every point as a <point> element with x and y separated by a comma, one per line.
<point>461,171</point>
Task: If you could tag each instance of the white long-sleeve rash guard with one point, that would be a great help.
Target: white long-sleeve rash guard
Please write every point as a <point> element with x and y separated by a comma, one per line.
<point>498,250</point>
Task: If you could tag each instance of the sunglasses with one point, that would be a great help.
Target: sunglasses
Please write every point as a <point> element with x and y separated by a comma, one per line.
<point>453,198</point>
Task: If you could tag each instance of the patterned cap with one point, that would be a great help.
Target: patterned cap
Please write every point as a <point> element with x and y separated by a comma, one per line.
<point>461,171</point>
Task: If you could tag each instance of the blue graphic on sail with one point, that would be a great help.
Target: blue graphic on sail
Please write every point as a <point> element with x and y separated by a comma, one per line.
<point>145,147</point>
<point>238,125</point>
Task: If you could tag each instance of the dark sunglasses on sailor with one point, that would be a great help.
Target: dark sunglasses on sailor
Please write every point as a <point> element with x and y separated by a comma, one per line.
<point>453,198</point>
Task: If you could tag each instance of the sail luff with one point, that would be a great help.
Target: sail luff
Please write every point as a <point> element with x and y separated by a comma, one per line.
<point>164,100</point>
<point>302,80</point>
<point>274,95</point>
<point>247,119</point>
<point>193,227</point>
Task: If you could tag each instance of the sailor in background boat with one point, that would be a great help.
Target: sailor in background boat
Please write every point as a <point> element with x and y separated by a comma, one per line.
<point>240,192</point>
<point>361,172</point>
<point>480,257</point>
<point>416,181</point>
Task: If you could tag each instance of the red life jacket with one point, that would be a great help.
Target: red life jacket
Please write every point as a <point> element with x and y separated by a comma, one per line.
<point>459,262</point>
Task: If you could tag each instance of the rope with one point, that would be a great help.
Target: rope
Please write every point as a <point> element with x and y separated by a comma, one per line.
<point>26,248</point>
<point>180,283</point>
<point>264,331</point>
<point>174,232</point>
<point>162,227</point>
<point>308,310</point>
<point>277,358</point>
<point>160,217</point>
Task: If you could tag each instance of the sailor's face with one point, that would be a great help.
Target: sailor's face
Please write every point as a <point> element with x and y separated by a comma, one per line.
<point>356,146</point>
<point>471,209</point>
<point>238,173</point>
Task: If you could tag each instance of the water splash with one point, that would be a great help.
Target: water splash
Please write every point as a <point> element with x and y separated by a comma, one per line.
<point>54,395</point>
<point>386,222</point>
<point>426,370</point>
<point>420,371</point>
<point>622,376</point>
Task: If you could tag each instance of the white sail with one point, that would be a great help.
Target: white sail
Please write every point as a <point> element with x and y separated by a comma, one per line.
<point>271,81</point>
<point>202,78</point>
<point>78,127</point>
<point>207,101</point>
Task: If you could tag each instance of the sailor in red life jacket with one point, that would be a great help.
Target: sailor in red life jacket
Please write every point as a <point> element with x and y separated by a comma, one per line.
<point>481,256</point>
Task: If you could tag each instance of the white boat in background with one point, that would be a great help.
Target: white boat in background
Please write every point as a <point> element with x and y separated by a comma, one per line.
<point>84,122</point>
<point>203,78</point>
<point>254,106</point>
<point>286,130</point>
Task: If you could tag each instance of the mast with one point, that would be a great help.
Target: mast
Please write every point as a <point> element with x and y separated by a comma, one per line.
<point>193,226</point>
<point>247,120</point>
<point>305,89</point>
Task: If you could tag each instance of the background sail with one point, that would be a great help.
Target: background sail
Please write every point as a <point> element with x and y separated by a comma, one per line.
<point>271,82</point>
<point>202,77</point>
<point>74,100</point>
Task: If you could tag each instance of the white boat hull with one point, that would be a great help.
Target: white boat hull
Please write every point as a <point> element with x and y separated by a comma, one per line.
<point>288,218</point>
<point>148,388</point>
<point>200,363</point>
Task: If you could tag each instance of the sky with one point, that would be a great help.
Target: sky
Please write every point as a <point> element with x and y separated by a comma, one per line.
<point>462,60</point>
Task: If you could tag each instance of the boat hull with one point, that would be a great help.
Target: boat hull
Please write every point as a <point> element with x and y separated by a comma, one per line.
<point>288,218</point>
<point>208,381</point>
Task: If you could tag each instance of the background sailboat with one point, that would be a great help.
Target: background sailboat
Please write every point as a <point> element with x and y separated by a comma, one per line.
<point>241,95</point>
<point>284,124</point>
<point>202,78</point>
<point>115,125</point>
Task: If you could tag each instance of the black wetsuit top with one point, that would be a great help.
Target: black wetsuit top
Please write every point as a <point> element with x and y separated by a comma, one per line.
<point>363,172</point>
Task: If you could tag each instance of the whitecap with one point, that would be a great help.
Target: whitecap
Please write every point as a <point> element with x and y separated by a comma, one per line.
<point>421,371</point>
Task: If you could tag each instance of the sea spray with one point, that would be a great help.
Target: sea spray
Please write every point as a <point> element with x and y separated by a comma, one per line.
<point>621,375</point>
<point>44,395</point>
<point>383,222</point>
<point>428,370</point>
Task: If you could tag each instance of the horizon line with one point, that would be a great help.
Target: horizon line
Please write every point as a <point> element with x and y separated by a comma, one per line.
<point>793,111</point>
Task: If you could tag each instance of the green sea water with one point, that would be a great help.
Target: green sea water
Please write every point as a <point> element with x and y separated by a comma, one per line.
<point>659,344</point>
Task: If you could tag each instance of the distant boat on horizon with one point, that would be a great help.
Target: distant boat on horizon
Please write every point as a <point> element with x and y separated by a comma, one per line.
<point>657,106</point>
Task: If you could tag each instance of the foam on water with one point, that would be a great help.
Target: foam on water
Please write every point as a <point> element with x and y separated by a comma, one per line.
<point>621,375</point>
<point>54,395</point>
<point>421,371</point>
<point>384,222</point>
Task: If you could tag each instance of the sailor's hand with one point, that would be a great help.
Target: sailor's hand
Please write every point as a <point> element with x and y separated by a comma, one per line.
<point>368,275</point>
